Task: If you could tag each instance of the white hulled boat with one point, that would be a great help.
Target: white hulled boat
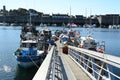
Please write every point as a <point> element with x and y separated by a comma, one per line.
<point>88,43</point>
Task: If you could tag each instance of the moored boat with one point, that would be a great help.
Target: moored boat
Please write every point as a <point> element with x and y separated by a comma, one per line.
<point>30,51</point>
<point>88,43</point>
<point>28,54</point>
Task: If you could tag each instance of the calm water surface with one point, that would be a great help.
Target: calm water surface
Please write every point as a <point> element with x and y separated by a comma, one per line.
<point>10,40</point>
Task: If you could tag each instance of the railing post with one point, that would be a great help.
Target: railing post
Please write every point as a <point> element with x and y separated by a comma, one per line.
<point>97,62</point>
<point>53,65</point>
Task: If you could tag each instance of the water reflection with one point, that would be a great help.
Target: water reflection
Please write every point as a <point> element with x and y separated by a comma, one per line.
<point>25,73</point>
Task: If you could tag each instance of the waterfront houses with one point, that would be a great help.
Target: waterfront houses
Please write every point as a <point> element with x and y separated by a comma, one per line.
<point>21,16</point>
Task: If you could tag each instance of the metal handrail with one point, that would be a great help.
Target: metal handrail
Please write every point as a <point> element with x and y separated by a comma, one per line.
<point>52,71</point>
<point>43,71</point>
<point>94,61</point>
<point>113,60</point>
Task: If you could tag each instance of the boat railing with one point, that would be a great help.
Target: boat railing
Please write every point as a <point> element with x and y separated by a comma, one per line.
<point>98,66</point>
<point>47,68</point>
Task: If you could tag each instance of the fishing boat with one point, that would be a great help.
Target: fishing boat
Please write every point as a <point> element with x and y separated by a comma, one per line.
<point>73,25</point>
<point>33,45</point>
<point>58,32</point>
<point>45,38</point>
<point>88,43</point>
<point>29,53</point>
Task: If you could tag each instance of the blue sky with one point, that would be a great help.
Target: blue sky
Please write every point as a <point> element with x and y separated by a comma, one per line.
<point>78,7</point>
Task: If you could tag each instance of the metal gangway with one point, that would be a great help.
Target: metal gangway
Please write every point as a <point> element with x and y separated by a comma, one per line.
<point>96,65</point>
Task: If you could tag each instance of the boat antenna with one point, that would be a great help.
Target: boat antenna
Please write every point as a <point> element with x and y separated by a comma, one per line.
<point>89,31</point>
<point>70,16</point>
<point>30,14</point>
<point>86,16</point>
<point>90,18</point>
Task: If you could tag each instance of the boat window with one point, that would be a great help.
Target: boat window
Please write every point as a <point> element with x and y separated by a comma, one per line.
<point>71,34</point>
<point>78,39</point>
<point>33,45</point>
<point>23,44</point>
<point>41,47</point>
<point>27,45</point>
<point>93,43</point>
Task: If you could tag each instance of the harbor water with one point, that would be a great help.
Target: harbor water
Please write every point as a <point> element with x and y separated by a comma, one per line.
<point>10,41</point>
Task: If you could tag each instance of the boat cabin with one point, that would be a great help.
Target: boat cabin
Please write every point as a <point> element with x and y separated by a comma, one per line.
<point>88,43</point>
<point>29,44</point>
<point>71,33</point>
<point>29,47</point>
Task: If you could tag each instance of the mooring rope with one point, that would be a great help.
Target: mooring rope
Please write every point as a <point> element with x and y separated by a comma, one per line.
<point>33,62</point>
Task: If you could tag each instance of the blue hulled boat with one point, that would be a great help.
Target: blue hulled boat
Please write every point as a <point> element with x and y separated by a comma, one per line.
<point>28,54</point>
<point>30,50</point>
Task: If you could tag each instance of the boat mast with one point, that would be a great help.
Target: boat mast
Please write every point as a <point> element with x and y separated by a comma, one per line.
<point>86,17</point>
<point>113,19</point>
<point>90,18</point>
<point>30,17</point>
<point>70,7</point>
<point>70,17</point>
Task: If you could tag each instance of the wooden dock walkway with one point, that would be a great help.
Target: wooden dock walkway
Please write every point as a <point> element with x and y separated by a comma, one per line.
<point>73,71</point>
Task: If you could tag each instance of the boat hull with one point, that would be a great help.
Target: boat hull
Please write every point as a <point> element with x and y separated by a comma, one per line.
<point>27,64</point>
<point>28,61</point>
